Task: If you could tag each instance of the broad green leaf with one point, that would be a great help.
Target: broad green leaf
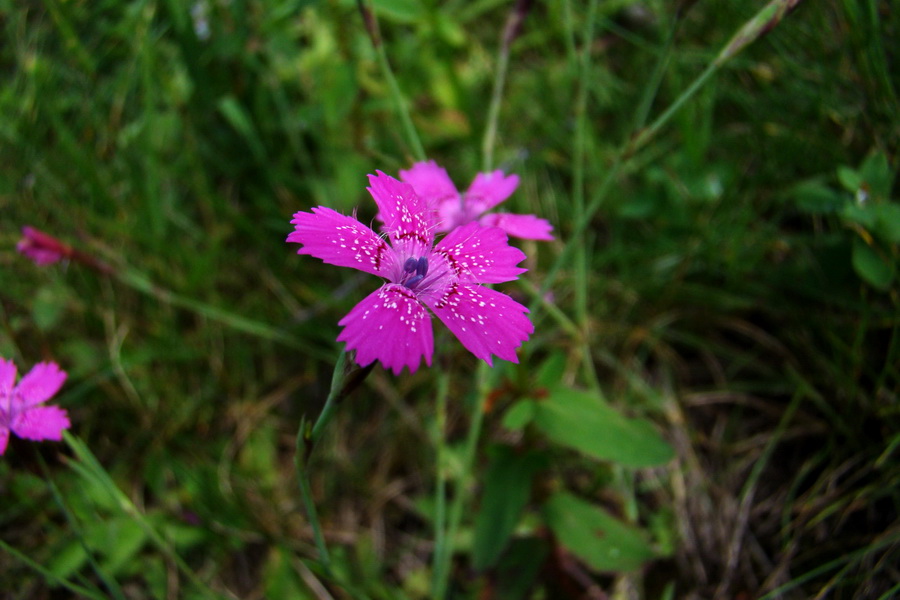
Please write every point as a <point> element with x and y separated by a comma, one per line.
<point>875,172</point>
<point>814,197</point>
<point>887,222</point>
<point>68,560</point>
<point>859,214</point>
<point>850,179</point>
<point>506,491</point>
<point>519,415</point>
<point>581,420</point>
<point>520,566</point>
<point>603,542</point>
<point>550,370</point>
<point>871,267</point>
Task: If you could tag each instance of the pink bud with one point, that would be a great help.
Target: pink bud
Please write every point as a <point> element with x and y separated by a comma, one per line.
<point>42,248</point>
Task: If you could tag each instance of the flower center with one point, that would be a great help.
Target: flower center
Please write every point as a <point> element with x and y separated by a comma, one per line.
<point>414,271</point>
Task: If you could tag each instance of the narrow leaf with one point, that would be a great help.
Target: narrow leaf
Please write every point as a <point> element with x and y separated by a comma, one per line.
<point>506,491</point>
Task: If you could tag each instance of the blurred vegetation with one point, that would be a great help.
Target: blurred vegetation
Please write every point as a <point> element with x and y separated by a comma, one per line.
<point>740,281</point>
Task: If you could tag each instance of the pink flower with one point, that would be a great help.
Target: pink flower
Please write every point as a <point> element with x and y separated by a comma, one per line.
<point>487,191</point>
<point>19,404</point>
<point>392,324</point>
<point>42,248</point>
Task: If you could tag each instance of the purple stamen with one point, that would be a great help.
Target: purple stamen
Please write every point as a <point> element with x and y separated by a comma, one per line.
<point>410,265</point>
<point>413,282</point>
<point>422,266</point>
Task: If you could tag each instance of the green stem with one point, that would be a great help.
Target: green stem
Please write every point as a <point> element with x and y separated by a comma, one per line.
<point>513,25</point>
<point>334,394</point>
<point>107,580</point>
<point>581,252</point>
<point>441,548</point>
<point>91,468</point>
<point>52,577</point>
<point>142,283</point>
<point>490,132</point>
<point>307,437</point>
<point>372,28</point>
<point>310,506</point>
<point>442,562</point>
<point>755,27</point>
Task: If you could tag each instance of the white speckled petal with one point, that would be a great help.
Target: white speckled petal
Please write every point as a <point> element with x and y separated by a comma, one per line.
<point>479,254</point>
<point>389,325</point>
<point>406,216</point>
<point>487,322</point>
<point>341,240</point>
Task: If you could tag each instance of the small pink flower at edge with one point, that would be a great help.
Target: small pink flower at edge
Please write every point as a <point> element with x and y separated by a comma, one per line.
<point>42,248</point>
<point>393,324</point>
<point>20,410</point>
<point>487,191</point>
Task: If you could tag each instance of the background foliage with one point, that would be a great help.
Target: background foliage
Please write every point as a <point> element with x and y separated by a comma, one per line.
<point>732,310</point>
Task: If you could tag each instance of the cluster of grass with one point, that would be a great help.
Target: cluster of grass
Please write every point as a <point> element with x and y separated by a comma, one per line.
<point>735,285</point>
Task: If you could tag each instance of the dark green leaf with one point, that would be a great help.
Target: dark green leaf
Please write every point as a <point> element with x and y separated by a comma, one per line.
<point>875,172</point>
<point>581,420</point>
<point>887,222</point>
<point>519,415</point>
<point>506,491</point>
<point>850,179</point>
<point>603,542</point>
<point>871,267</point>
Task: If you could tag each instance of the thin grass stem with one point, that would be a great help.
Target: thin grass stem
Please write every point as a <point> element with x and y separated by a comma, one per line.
<point>440,488</point>
<point>52,577</point>
<point>372,28</point>
<point>142,283</point>
<point>307,437</point>
<point>460,497</point>
<point>490,132</point>
<point>510,31</point>
<point>756,26</point>
<point>582,277</point>
<point>107,579</point>
<point>90,467</point>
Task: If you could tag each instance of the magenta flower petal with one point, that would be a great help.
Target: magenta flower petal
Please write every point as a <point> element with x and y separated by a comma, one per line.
<point>486,321</point>
<point>392,325</point>
<point>19,410</point>
<point>480,255</point>
<point>7,381</point>
<point>526,227</point>
<point>40,384</point>
<point>450,210</point>
<point>431,181</point>
<point>405,215</point>
<point>389,325</point>
<point>488,190</point>
<point>41,423</point>
<point>341,241</point>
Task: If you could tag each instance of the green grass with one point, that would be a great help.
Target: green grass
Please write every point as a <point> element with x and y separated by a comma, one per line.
<point>714,289</point>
